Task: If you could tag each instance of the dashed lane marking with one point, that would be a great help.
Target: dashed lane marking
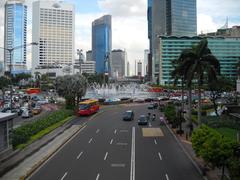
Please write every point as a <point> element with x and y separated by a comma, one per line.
<point>122,144</point>
<point>65,174</point>
<point>118,165</point>
<point>80,154</point>
<point>111,141</point>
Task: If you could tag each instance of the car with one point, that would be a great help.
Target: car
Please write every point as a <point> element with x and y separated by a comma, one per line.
<point>27,113</point>
<point>151,106</point>
<point>155,105</point>
<point>143,120</point>
<point>128,115</point>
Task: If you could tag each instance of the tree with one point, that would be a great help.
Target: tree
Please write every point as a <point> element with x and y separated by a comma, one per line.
<point>4,83</point>
<point>199,63</point>
<point>72,88</point>
<point>217,87</point>
<point>19,77</point>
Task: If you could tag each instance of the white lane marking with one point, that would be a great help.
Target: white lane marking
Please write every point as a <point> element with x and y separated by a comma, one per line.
<point>122,144</point>
<point>149,124</point>
<point>132,172</point>
<point>118,165</point>
<point>115,131</point>
<point>98,175</point>
<point>123,131</point>
<point>160,156</point>
<point>111,141</point>
<point>90,140</point>
<point>167,177</point>
<point>155,141</point>
<point>105,157</point>
<point>64,175</point>
<point>80,154</point>
<point>97,131</point>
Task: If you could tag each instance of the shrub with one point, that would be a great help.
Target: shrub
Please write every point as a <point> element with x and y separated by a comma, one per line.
<point>23,134</point>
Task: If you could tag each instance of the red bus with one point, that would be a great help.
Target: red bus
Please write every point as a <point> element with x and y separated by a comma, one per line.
<point>33,90</point>
<point>88,107</point>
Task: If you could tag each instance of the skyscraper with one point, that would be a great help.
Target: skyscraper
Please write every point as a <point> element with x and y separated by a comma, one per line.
<point>102,43</point>
<point>53,28</point>
<point>170,18</point>
<point>15,34</point>
<point>118,63</point>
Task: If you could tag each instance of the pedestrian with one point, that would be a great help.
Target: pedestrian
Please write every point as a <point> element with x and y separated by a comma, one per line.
<point>149,116</point>
<point>153,117</point>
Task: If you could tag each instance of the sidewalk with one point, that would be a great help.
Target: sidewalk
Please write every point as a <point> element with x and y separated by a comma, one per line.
<point>25,161</point>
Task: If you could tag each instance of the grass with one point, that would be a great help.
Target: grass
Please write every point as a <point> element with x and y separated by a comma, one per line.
<point>44,132</point>
<point>228,132</point>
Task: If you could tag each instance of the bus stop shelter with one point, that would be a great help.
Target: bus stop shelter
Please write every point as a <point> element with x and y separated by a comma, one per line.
<point>6,126</point>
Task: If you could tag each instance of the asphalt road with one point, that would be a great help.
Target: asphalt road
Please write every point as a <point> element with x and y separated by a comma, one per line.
<point>108,148</point>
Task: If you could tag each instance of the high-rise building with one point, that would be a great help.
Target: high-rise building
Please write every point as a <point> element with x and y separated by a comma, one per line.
<point>118,63</point>
<point>145,62</point>
<point>53,28</point>
<point>102,43</point>
<point>89,56</point>
<point>139,69</point>
<point>226,50</point>
<point>128,69</point>
<point>170,18</point>
<point>15,35</point>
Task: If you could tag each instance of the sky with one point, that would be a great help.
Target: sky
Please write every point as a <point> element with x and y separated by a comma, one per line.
<point>129,22</point>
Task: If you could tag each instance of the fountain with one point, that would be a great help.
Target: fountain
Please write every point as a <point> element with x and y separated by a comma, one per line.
<point>119,91</point>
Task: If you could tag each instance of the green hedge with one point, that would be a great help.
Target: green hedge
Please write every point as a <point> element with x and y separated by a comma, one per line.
<point>23,134</point>
<point>170,113</point>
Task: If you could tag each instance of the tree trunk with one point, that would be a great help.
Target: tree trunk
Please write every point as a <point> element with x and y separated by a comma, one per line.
<point>199,104</point>
<point>190,110</point>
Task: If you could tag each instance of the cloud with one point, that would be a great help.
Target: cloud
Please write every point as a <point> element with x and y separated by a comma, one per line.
<point>124,8</point>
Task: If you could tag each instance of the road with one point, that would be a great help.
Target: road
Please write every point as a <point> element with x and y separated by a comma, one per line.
<point>108,148</point>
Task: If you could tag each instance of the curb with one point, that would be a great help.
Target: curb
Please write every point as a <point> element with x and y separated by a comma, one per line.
<point>40,163</point>
<point>187,154</point>
<point>13,165</point>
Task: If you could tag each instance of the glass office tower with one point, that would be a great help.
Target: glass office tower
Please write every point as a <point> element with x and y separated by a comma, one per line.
<point>226,50</point>
<point>102,44</point>
<point>170,18</point>
<point>15,35</point>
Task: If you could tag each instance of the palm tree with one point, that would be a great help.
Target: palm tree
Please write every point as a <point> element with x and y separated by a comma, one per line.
<point>200,63</point>
<point>180,72</point>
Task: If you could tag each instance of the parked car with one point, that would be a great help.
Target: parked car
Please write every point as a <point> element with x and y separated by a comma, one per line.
<point>27,113</point>
<point>128,115</point>
<point>143,120</point>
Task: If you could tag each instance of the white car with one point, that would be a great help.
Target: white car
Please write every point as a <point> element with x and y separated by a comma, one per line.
<point>27,113</point>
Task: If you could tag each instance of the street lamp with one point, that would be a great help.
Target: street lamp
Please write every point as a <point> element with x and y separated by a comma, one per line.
<point>10,51</point>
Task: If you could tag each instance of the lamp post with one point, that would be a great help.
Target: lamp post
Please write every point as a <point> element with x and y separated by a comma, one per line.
<point>10,51</point>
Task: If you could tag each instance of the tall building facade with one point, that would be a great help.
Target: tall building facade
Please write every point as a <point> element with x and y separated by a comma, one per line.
<point>170,18</point>
<point>226,50</point>
<point>118,63</point>
<point>102,43</point>
<point>89,55</point>
<point>15,34</point>
<point>53,28</point>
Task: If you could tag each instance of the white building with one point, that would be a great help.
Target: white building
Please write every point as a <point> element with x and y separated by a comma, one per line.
<point>139,69</point>
<point>88,67</point>
<point>145,62</point>
<point>53,28</point>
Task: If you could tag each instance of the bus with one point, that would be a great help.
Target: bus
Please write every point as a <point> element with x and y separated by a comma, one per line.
<point>88,107</point>
<point>33,90</point>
